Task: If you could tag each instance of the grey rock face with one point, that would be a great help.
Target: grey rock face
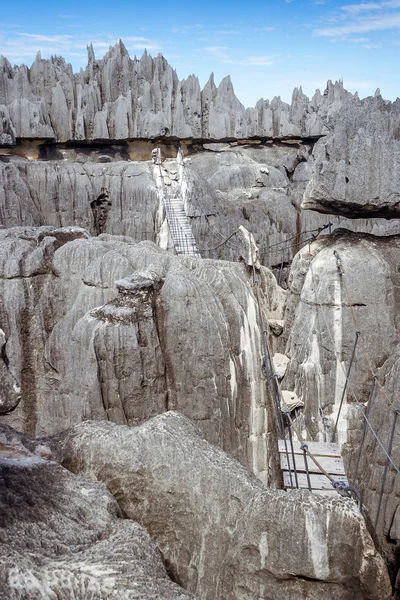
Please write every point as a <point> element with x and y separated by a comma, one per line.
<point>173,332</point>
<point>57,194</point>
<point>323,313</point>
<point>261,188</point>
<point>121,98</point>
<point>10,393</point>
<point>221,531</point>
<point>324,307</point>
<point>356,171</point>
<point>62,536</point>
<point>227,186</point>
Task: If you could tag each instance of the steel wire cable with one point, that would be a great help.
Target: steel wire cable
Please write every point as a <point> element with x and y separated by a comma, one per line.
<point>350,386</point>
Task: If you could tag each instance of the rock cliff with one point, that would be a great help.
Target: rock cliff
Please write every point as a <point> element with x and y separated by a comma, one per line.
<point>258,186</point>
<point>63,536</point>
<point>119,98</point>
<point>221,532</point>
<point>101,320</point>
<point>356,169</point>
<point>324,311</point>
<point>171,332</point>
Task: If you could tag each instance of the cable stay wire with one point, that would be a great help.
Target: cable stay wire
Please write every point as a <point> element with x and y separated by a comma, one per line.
<point>380,443</point>
<point>219,245</point>
<point>349,384</point>
<point>317,230</point>
<point>264,249</point>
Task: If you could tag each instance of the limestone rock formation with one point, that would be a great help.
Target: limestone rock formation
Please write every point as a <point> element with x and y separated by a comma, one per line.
<point>120,98</point>
<point>356,171</point>
<point>173,332</point>
<point>261,188</point>
<point>10,392</point>
<point>63,536</point>
<point>257,186</point>
<point>64,194</point>
<point>324,310</point>
<point>221,532</point>
<point>101,321</point>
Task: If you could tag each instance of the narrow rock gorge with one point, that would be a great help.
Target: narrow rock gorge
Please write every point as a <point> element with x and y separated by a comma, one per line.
<point>170,261</point>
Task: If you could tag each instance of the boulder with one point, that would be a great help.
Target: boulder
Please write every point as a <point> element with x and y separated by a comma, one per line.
<point>356,170</point>
<point>221,532</point>
<point>10,392</point>
<point>172,333</point>
<point>63,536</point>
<point>280,361</point>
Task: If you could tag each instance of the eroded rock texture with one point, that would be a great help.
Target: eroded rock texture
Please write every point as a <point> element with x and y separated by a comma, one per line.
<point>63,536</point>
<point>173,332</point>
<point>119,98</point>
<point>357,165</point>
<point>222,533</point>
<point>9,390</point>
<point>225,186</point>
<point>324,311</point>
<point>106,328</point>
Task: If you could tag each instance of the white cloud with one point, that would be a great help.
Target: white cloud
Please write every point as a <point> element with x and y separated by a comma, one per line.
<point>23,46</point>
<point>361,18</point>
<point>227,32</point>
<point>218,51</point>
<point>187,29</point>
<point>370,6</point>
<point>380,22</point>
<point>222,53</point>
<point>260,61</point>
<point>357,8</point>
<point>251,61</point>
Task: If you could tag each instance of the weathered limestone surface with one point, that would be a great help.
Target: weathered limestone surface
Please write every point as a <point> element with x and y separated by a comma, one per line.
<point>172,333</point>
<point>10,393</point>
<point>105,328</point>
<point>120,98</point>
<point>356,172</point>
<point>323,313</point>
<point>222,533</point>
<point>226,186</point>
<point>60,194</point>
<point>324,310</point>
<point>261,188</point>
<point>63,536</point>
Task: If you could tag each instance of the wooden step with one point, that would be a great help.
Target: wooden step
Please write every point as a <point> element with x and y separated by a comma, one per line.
<point>326,454</point>
<point>317,448</point>
<point>332,465</point>
<point>318,482</point>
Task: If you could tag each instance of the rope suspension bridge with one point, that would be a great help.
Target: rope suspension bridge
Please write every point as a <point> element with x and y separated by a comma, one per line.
<point>170,189</point>
<point>305,464</point>
<point>318,466</point>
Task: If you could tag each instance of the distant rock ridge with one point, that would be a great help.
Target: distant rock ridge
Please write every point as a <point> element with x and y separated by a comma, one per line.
<point>122,98</point>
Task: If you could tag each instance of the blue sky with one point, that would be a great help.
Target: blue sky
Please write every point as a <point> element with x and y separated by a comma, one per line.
<point>268,47</point>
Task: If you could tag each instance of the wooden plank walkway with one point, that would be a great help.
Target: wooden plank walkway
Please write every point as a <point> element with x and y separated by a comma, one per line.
<point>316,448</point>
<point>326,454</point>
